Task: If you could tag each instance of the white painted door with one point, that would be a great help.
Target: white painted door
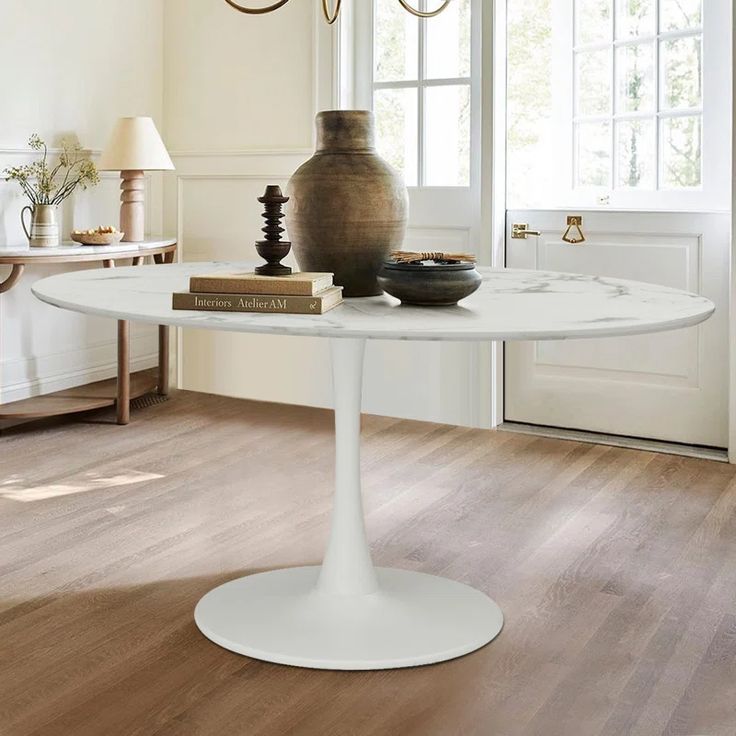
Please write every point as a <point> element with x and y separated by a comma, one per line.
<point>421,78</point>
<point>671,386</point>
<point>630,128</point>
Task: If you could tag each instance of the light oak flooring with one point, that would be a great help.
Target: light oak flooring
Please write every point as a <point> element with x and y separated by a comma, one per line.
<point>616,571</point>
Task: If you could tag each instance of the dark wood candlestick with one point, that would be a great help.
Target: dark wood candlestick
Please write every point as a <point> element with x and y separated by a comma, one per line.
<point>273,249</point>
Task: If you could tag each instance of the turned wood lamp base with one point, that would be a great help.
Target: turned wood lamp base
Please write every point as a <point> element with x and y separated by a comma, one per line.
<point>132,206</point>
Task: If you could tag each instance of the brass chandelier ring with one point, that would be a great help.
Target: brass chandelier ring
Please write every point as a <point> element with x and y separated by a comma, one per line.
<point>331,17</point>
<point>423,13</point>
<point>326,10</point>
<point>257,11</point>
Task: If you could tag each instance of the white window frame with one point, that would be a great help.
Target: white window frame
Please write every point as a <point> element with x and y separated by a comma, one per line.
<point>359,65</point>
<point>714,194</point>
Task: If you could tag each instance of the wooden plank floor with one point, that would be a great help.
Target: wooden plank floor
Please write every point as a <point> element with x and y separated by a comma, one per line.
<point>616,570</point>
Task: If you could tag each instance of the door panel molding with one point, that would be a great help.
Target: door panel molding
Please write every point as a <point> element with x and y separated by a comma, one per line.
<point>666,386</point>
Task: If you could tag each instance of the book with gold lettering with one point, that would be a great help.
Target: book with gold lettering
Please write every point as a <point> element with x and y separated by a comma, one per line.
<point>268,303</point>
<point>248,282</point>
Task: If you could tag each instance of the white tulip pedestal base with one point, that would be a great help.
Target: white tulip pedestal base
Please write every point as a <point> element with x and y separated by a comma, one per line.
<point>346,614</point>
<point>410,619</point>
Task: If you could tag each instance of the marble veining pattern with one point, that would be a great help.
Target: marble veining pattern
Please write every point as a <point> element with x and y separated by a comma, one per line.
<point>510,305</point>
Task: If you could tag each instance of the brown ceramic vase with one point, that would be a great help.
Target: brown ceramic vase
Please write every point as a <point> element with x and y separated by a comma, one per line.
<point>348,208</point>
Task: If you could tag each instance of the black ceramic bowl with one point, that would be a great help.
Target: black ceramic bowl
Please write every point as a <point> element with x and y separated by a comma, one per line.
<point>429,284</point>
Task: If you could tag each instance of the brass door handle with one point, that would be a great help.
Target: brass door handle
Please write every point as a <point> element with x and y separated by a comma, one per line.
<point>519,231</point>
<point>574,222</point>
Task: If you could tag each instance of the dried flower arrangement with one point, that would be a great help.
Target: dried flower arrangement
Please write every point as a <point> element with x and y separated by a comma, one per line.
<point>47,185</point>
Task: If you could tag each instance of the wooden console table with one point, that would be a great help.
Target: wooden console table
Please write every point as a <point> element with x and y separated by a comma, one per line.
<point>118,391</point>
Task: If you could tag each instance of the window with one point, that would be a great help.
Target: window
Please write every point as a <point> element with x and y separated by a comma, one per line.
<point>621,103</point>
<point>638,94</point>
<point>421,92</point>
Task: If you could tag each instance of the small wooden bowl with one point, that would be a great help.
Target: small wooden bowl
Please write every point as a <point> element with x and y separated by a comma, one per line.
<point>97,238</point>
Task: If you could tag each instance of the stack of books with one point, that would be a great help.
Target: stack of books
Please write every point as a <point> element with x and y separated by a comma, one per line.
<point>297,293</point>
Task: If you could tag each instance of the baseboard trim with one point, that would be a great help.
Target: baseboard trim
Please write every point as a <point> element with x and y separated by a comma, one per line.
<point>25,377</point>
<point>59,382</point>
<point>632,443</point>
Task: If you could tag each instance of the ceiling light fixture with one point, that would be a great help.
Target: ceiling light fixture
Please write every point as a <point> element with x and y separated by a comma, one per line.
<point>331,15</point>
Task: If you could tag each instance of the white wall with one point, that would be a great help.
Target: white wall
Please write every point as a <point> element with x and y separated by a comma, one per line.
<point>70,67</point>
<point>237,82</point>
<point>239,115</point>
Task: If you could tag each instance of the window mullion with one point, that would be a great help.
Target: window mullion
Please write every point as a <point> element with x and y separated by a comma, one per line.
<point>412,84</point>
<point>420,102</point>
<point>684,112</point>
<point>657,100</point>
<point>614,159</point>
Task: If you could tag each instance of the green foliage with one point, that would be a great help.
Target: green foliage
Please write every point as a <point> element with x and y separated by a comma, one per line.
<point>46,184</point>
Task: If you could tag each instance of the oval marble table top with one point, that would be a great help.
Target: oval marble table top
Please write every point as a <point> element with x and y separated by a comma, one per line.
<point>509,305</point>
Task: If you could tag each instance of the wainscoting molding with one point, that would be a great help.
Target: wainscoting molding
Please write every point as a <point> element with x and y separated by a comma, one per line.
<point>419,380</point>
<point>267,167</point>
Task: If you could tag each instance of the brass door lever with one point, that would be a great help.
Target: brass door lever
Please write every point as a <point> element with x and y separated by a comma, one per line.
<point>519,231</point>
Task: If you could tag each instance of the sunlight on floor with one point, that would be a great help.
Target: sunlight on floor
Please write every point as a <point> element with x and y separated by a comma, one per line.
<point>15,490</point>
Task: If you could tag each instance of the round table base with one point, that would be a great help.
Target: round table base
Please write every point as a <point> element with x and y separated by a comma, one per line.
<point>413,619</point>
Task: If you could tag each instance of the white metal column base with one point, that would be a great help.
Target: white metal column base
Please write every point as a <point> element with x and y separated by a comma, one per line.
<point>412,619</point>
<point>346,614</point>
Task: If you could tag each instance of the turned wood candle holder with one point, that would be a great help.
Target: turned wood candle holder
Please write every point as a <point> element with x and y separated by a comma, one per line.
<point>273,249</point>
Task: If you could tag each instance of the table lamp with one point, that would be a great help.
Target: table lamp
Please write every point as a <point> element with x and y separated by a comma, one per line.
<point>134,146</point>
